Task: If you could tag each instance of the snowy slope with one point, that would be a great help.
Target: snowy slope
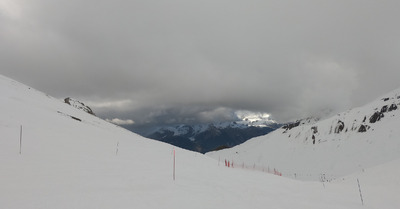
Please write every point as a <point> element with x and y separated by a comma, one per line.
<point>379,185</point>
<point>89,163</point>
<point>348,142</point>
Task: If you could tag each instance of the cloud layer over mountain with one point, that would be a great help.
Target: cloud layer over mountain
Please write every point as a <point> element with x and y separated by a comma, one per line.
<point>175,61</point>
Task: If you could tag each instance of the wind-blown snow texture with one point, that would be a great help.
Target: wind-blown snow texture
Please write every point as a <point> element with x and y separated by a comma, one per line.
<point>90,163</point>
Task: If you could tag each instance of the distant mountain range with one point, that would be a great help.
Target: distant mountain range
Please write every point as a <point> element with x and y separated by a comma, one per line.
<point>213,136</point>
<point>203,137</point>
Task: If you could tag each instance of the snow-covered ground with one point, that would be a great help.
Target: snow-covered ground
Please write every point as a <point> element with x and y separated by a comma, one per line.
<point>324,149</point>
<point>71,159</point>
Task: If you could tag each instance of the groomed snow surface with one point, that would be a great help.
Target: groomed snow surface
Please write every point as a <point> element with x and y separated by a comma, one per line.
<point>71,159</point>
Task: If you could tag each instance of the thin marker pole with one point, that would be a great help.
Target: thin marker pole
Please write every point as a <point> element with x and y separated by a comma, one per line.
<point>174,166</point>
<point>359,189</point>
<point>20,140</point>
<point>116,152</point>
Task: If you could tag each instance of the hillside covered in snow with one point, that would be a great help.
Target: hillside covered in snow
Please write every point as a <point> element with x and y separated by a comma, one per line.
<point>53,155</point>
<point>348,142</point>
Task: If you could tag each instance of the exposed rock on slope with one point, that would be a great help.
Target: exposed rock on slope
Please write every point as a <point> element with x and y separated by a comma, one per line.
<point>79,105</point>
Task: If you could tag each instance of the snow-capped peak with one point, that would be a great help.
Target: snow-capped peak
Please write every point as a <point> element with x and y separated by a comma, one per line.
<point>257,119</point>
<point>245,119</point>
<point>253,116</point>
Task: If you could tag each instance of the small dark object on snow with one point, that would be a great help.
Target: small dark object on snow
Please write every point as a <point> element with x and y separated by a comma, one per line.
<point>392,107</point>
<point>315,129</point>
<point>376,117</point>
<point>291,125</point>
<point>339,127</point>
<point>384,109</point>
<point>362,129</point>
<point>75,118</point>
<point>365,118</point>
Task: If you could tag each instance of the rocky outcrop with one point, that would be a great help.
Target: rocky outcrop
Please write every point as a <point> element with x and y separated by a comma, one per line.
<point>392,107</point>
<point>376,117</point>
<point>363,128</point>
<point>291,125</point>
<point>315,129</point>
<point>79,105</point>
<point>384,109</point>
<point>339,127</point>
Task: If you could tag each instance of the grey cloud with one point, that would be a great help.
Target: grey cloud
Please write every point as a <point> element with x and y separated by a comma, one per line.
<point>118,121</point>
<point>184,61</point>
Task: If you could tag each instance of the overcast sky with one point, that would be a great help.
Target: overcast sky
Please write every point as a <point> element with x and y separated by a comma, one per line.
<point>159,61</point>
